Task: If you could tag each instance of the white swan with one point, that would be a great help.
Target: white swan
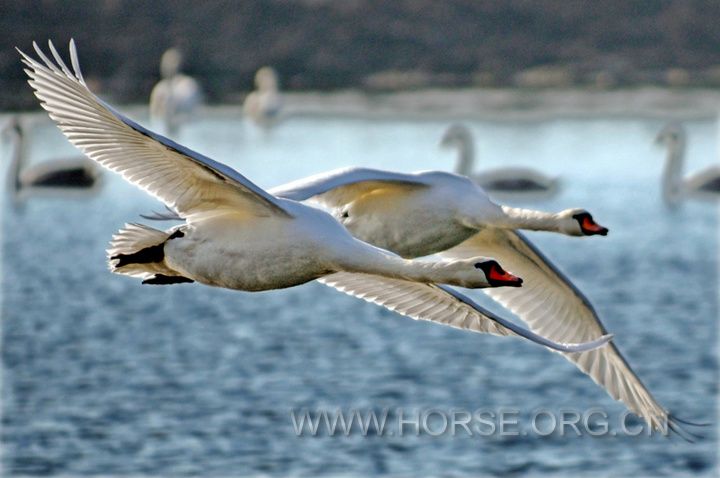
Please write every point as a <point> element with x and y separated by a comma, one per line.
<point>423,213</point>
<point>499,181</point>
<point>175,99</point>
<point>62,174</point>
<point>238,236</point>
<point>418,214</point>
<point>701,185</point>
<point>263,106</point>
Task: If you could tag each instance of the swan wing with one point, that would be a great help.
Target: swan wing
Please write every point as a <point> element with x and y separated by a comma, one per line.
<point>337,188</point>
<point>554,308</point>
<point>188,182</point>
<point>440,304</point>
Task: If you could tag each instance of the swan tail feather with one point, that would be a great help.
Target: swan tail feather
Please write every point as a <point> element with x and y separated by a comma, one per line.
<point>138,251</point>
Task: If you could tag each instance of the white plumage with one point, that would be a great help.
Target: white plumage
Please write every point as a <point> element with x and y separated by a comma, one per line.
<point>238,236</point>
<point>422,213</point>
<point>434,212</point>
<point>553,307</point>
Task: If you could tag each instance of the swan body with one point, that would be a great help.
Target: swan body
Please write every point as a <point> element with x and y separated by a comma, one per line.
<point>236,253</point>
<point>426,213</point>
<point>72,173</point>
<point>238,236</point>
<point>701,185</point>
<point>264,105</point>
<point>175,98</point>
<point>511,180</point>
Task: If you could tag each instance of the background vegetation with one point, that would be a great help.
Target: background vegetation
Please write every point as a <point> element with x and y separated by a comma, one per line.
<point>371,44</point>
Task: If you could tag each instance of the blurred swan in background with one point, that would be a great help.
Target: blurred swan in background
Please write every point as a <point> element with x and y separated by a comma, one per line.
<point>176,98</point>
<point>513,180</point>
<point>263,106</point>
<point>701,185</point>
<point>238,236</point>
<point>425,213</point>
<point>75,173</point>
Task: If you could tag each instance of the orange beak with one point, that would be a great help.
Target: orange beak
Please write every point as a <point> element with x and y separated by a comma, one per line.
<point>590,227</point>
<point>498,277</point>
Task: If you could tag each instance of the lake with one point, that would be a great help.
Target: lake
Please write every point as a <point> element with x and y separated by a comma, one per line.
<point>105,376</point>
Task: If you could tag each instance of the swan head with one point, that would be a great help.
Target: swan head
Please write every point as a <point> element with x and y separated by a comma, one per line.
<point>455,136</point>
<point>579,222</point>
<point>266,79</point>
<point>11,126</point>
<point>12,130</point>
<point>672,136</point>
<point>495,275</point>
<point>170,63</point>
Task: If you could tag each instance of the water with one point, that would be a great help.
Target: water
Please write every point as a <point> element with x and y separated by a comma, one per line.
<point>104,376</point>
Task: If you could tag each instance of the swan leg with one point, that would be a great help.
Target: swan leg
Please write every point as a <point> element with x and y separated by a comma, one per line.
<point>147,255</point>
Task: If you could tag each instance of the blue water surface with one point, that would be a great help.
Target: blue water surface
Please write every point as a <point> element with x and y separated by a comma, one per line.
<point>104,376</point>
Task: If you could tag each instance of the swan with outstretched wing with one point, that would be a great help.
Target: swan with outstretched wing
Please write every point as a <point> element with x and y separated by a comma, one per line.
<point>448,215</point>
<point>238,236</point>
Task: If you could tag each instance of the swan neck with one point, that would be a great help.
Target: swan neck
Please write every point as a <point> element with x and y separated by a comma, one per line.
<point>672,174</point>
<point>466,157</point>
<point>18,143</point>
<point>269,87</point>
<point>369,259</point>
<point>529,219</point>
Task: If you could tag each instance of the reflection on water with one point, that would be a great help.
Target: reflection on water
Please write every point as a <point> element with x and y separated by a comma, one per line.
<point>105,376</point>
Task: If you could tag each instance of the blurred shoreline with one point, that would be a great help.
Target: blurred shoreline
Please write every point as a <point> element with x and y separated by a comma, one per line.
<point>515,103</point>
<point>485,103</point>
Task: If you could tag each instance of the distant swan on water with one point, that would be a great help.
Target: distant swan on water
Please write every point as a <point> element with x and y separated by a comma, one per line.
<point>238,236</point>
<point>701,185</point>
<point>263,106</point>
<point>513,180</point>
<point>176,98</point>
<point>75,173</point>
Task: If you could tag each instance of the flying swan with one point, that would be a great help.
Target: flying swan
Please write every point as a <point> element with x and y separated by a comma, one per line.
<point>701,185</point>
<point>514,180</point>
<point>436,212</point>
<point>238,236</point>
<point>423,213</point>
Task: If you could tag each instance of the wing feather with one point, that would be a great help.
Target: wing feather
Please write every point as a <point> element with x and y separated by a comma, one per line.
<point>184,180</point>
<point>562,313</point>
<point>340,187</point>
<point>437,303</point>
